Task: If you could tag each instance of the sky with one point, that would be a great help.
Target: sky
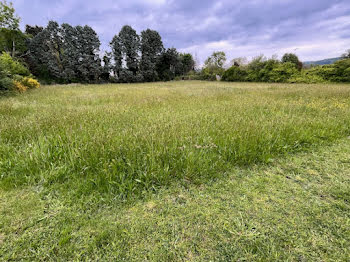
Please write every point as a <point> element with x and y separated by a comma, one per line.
<point>313,29</point>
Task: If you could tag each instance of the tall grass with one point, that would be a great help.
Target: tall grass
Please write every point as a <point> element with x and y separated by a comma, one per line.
<point>128,139</point>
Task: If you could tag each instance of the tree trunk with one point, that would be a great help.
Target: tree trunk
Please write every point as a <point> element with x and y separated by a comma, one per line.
<point>13,48</point>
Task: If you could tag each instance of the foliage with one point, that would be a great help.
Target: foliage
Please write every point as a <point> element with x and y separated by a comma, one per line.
<point>282,72</point>
<point>261,69</point>
<point>127,76</point>
<point>294,59</point>
<point>8,18</point>
<point>339,71</point>
<point>239,61</point>
<point>151,49</point>
<point>192,75</point>
<point>130,46</point>
<point>216,60</point>
<point>143,58</point>
<point>12,40</point>
<point>45,58</point>
<point>310,76</point>
<point>89,67</point>
<point>213,66</point>
<point>107,67</point>
<point>14,76</point>
<point>235,74</point>
<point>19,86</point>
<point>167,63</point>
<point>255,67</point>
<point>30,83</point>
<point>266,72</point>
<point>186,64</point>
<point>6,84</point>
<point>210,74</point>
<point>12,66</point>
<point>65,53</point>
<point>33,31</point>
<point>117,56</point>
<point>80,55</point>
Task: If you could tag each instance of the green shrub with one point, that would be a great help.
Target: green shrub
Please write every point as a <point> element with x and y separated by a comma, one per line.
<point>30,83</point>
<point>337,72</point>
<point>307,77</point>
<point>326,72</point>
<point>340,71</point>
<point>193,75</point>
<point>19,87</point>
<point>266,72</point>
<point>254,68</point>
<point>13,67</point>
<point>6,84</point>
<point>260,69</point>
<point>14,76</point>
<point>282,72</point>
<point>272,70</point>
<point>209,73</point>
<point>17,78</point>
<point>235,74</point>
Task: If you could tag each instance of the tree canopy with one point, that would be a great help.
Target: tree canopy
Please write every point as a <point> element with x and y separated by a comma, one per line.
<point>151,48</point>
<point>12,40</point>
<point>216,60</point>
<point>8,18</point>
<point>65,53</point>
<point>292,58</point>
<point>71,54</point>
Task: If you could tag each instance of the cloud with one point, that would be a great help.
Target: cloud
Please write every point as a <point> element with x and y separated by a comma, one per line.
<point>313,29</point>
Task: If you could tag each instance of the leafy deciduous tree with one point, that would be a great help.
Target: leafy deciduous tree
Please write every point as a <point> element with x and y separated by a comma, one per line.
<point>214,65</point>
<point>8,18</point>
<point>12,40</point>
<point>292,58</point>
<point>187,63</point>
<point>216,60</point>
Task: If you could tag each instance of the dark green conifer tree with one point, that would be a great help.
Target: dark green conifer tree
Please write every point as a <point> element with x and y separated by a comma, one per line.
<point>151,49</point>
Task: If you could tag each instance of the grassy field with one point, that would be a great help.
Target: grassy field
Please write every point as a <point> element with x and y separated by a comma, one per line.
<point>176,171</point>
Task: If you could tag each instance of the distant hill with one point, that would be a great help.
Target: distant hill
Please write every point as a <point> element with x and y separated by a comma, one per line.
<point>323,62</point>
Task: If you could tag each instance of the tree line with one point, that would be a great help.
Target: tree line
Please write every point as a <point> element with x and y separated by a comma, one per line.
<point>288,69</point>
<point>70,54</point>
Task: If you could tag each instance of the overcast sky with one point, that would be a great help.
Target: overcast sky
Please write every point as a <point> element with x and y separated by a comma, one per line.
<point>313,29</point>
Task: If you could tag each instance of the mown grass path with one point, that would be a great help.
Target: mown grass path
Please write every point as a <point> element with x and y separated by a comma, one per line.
<point>297,209</point>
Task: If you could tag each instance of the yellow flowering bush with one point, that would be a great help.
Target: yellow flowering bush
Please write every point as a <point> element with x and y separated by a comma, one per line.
<point>30,83</point>
<point>19,86</point>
